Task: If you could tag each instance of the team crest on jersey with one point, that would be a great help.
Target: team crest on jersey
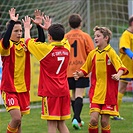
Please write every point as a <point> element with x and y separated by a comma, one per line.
<point>109,62</point>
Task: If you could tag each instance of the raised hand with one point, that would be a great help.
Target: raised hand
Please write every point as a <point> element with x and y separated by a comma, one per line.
<point>12,12</point>
<point>38,17</point>
<point>27,22</point>
<point>27,26</point>
<point>47,22</point>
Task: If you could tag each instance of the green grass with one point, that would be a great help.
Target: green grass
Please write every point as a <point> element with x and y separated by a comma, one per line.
<point>129,94</point>
<point>34,124</point>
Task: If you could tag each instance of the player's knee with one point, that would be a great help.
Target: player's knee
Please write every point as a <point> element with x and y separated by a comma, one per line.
<point>104,123</point>
<point>94,121</point>
<point>17,120</point>
<point>122,88</point>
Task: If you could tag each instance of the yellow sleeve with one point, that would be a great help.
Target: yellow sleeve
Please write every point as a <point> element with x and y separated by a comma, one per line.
<point>38,49</point>
<point>66,43</point>
<point>124,41</point>
<point>5,52</point>
<point>116,61</point>
<point>88,64</point>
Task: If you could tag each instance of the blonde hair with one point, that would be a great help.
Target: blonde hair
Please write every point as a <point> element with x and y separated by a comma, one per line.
<point>104,30</point>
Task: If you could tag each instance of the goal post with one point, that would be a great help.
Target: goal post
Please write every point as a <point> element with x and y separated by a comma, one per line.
<point>130,7</point>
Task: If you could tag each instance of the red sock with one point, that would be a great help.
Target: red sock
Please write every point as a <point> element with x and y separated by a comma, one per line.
<point>11,130</point>
<point>106,129</point>
<point>93,129</point>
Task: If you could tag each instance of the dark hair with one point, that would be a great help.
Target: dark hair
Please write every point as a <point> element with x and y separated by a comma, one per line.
<point>16,22</point>
<point>130,20</point>
<point>57,31</point>
<point>75,20</point>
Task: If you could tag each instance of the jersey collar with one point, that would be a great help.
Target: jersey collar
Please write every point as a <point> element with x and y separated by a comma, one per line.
<point>57,44</point>
<point>105,49</point>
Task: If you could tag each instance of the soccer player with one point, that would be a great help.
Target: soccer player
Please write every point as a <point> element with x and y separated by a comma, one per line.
<point>81,44</point>
<point>106,68</point>
<point>53,85</point>
<point>126,55</point>
<point>15,83</point>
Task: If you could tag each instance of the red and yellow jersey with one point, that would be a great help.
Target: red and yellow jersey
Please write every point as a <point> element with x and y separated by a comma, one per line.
<point>126,41</point>
<point>81,44</point>
<point>53,59</point>
<point>103,64</point>
<point>15,67</point>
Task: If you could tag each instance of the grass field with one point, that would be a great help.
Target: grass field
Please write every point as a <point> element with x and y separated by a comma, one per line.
<point>33,124</point>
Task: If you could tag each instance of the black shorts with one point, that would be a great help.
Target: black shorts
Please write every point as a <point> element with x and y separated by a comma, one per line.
<point>82,82</point>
